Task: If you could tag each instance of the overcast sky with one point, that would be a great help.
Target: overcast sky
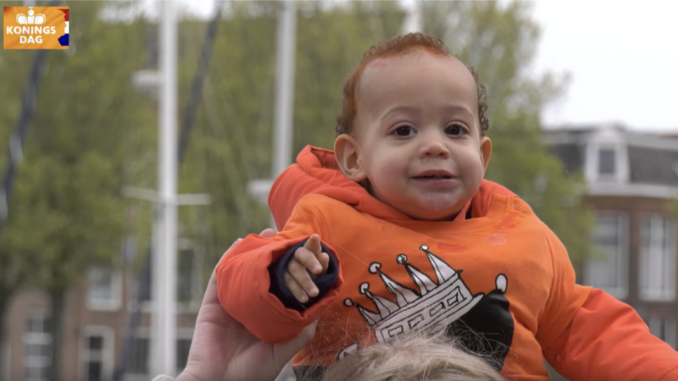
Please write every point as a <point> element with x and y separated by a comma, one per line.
<point>622,55</point>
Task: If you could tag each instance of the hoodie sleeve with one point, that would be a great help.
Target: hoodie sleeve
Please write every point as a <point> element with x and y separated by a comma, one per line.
<point>324,282</point>
<point>586,334</point>
<point>244,283</point>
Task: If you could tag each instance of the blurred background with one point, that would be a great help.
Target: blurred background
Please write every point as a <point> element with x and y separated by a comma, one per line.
<point>582,118</point>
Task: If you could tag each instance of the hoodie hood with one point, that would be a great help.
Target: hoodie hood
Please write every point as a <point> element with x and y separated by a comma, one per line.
<point>316,172</point>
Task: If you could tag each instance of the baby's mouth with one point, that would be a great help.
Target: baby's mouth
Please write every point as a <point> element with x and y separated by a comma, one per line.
<point>434,174</point>
<point>436,179</point>
<point>433,177</point>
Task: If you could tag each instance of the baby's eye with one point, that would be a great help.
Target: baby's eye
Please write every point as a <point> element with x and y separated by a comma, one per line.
<point>403,131</point>
<point>455,130</point>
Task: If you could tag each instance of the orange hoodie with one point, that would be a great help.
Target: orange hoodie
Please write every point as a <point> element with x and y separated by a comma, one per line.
<point>500,272</point>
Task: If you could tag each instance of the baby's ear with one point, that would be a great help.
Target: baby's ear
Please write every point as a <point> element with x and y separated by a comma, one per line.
<point>485,151</point>
<point>347,154</point>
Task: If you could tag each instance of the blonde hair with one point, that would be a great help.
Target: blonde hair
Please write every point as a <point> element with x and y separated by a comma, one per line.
<point>413,357</point>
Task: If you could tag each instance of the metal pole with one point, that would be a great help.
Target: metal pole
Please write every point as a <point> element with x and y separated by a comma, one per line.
<point>412,22</point>
<point>284,102</point>
<point>165,269</point>
<point>284,87</point>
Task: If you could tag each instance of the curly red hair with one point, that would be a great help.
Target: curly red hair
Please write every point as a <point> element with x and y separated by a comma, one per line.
<point>393,47</point>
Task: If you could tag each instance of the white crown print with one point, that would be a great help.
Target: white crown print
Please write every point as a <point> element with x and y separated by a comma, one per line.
<point>434,307</point>
<point>31,19</point>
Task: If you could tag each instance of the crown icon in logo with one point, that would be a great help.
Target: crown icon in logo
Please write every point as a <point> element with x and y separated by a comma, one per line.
<point>31,19</point>
<point>433,307</point>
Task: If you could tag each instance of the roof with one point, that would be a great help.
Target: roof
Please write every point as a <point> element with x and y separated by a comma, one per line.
<point>651,157</point>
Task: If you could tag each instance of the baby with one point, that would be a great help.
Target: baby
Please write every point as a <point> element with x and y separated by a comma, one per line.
<point>376,235</point>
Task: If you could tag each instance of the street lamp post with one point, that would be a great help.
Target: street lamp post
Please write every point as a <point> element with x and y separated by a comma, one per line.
<point>165,259</point>
<point>166,200</point>
<point>412,22</point>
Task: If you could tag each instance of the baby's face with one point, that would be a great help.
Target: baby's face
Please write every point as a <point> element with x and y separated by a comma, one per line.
<point>418,132</point>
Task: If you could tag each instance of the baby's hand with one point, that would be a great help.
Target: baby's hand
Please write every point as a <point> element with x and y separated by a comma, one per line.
<point>309,261</point>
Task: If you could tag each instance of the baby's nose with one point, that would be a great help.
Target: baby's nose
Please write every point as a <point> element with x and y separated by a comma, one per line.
<point>434,147</point>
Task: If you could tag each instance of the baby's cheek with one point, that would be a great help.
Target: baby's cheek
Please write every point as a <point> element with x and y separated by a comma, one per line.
<point>387,168</point>
<point>472,165</point>
<point>477,175</point>
<point>385,177</point>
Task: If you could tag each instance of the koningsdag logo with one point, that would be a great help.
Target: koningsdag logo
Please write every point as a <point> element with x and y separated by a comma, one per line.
<point>35,27</point>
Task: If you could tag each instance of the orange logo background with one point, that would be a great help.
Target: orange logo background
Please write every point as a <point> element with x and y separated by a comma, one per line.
<point>55,25</point>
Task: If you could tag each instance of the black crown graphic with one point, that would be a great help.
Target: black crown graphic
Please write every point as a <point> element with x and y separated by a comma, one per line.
<point>433,307</point>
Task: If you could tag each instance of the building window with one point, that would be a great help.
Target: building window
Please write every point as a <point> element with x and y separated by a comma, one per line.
<point>104,289</point>
<point>658,258</point>
<point>144,282</point>
<point>607,267</point>
<point>188,292</point>
<point>38,345</point>
<point>187,279</point>
<point>139,356</point>
<point>97,353</point>
<point>664,329</point>
<point>606,162</point>
<point>183,346</point>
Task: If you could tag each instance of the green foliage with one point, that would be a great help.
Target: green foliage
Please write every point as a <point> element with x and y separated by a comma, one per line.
<point>66,211</point>
<point>330,44</point>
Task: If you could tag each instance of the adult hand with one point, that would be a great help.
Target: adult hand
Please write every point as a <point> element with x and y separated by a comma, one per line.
<point>223,350</point>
